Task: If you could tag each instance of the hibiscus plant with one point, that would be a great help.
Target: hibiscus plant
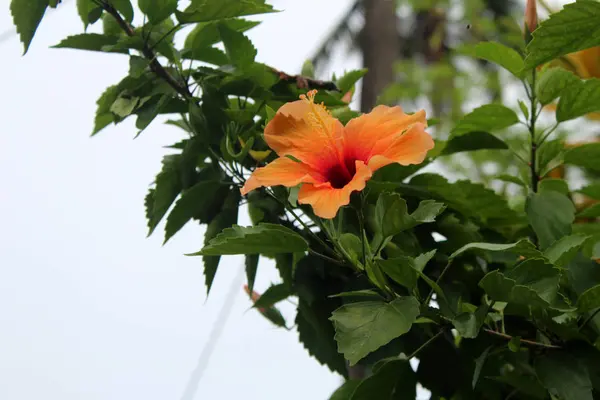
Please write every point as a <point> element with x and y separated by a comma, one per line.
<point>495,298</point>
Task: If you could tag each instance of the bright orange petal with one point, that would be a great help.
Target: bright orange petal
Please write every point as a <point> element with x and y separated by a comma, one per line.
<point>410,147</point>
<point>326,200</point>
<point>586,62</point>
<point>281,171</point>
<point>377,129</point>
<point>307,132</point>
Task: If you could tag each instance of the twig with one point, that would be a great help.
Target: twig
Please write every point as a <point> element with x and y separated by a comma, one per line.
<point>326,258</point>
<point>149,54</point>
<point>524,341</point>
<point>304,82</point>
<point>428,299</point>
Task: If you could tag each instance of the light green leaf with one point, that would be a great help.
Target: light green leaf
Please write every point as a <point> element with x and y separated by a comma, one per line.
<point>564,376</point>
<point>346,82</point>
<point>204,35</point>
<point>499,54</point>
<point>552,83</point>
<point>575,27</point>
<point>523,248</point>
<point>401,270</point>
<point>592,191</point>
<point>564,249</point>
<point>550,215</point>
<point>467,325</point>
<point>586,156</point>
<point>391,214</point>
<point>472,141</point>
<point>27,15</point>
<point>550,155</point>
<point>359,293</point>
<point>486,118</point>
<point>345,391</point>
<point>578,99</point>
<point>273,295</point>
<point>123,107</point>
<point>125,8</point>
<point>88,11</point>
<point>239,48</point>
<point>210,10</point>
<point>89,41</point>
<point>421,260</point>
<point>511,178</point>
<point>558,185</point>
<point>589,300</point>
<point>524,109</point>
<point>263,238</point>
<point>157,10</point>
<point>363,327</point>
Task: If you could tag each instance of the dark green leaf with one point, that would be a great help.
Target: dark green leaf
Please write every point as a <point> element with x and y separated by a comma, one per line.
<point>479,362</point>
<point>263,238</point>
<point>512,179</point>
<point>473,141</point>
<point>523,247</point>
<point>168,187</point>
<point>359,293</point>
<point>157,10</point>
<point>346,82</point>
<point>552,83</point>
<point>27,15</point>
<point>345,391</point>
<point>391,214</point>
<point>125,8</point>
<point>514,344</point>
<point>204,35</point>
<point>392,379</point>
<point>209,10</point>
<point>486,118</point>
<point>401,270</point>
<point>564,249</point>
<point>564,376</point>
<point>88,11</point>
<point>557,185</point>
<point>550,215</point>
<point>573,28</point>
<point>239,48</point>
<point>467,325</point>
<point>273,295</point>
<point>251,269</point>
<point>578,99</point>
<point>363,327</point>
<point>89,41</point>
<point>499,54</point>
<point>592,191</point>
<point>591,212</point>
<point>549,156</point>
<point>586,156</point>
<point>589,300</point>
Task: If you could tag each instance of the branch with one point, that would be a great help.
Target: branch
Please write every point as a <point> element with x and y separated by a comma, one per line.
<point>304,82</point>
<point>149,54</point>
<point>524,341</point>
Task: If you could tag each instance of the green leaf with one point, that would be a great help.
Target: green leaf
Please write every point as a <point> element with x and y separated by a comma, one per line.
<point>550,215</point>
<point>523,248</point>
<point>552,83</point>
<point>204,35</point>
<point>511,179</point>
<point>574,28</point>
<point>564,376</point>
<point>89,41</point>
<point>88,11</point>
<point>473,141</point>
<point>589,300</point>
<point>226,218</point>
<point>392,379</point>
<point>564,249</point>
<point>157,10</point>
<point>401,270</point>
<point>514,344</point>
<point>467,325</point>
<point>263,238</point>
<point>346,82</point>
<point>486,118</point>
<point>345,391</point>
<point>586,156</point>
<point>558,185</point>
<point>550,155</point>
<point>27,15</point>
<point>578,99</point>
<point>359,293</point>
<point>391,214</point>
<point>125,8</point>
<point>499,54</point>
<point>590,212</point>
<point>363,327</point>
<point>524,109</point>
<point>167,188</point>
<point>273,295</point>
<point>251,269</point>
<point>210,10</point>
<point>479,362</point>
<point>239,48</point>
<point>592,191</point>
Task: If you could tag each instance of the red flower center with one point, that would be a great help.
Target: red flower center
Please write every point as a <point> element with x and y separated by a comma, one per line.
<point>339,175</point>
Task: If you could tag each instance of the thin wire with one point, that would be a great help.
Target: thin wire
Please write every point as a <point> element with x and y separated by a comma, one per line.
<point>211,344</point>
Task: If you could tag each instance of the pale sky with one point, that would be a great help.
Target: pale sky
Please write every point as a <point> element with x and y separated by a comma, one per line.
<point>89,307</point>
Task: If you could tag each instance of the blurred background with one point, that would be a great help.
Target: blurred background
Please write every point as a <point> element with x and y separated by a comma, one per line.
<point>92,309</point>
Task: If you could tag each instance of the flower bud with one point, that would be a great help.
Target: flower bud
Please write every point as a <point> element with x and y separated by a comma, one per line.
<point>531,19</point>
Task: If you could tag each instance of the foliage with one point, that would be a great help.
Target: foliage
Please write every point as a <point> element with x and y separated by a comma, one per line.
<point>496,292</point>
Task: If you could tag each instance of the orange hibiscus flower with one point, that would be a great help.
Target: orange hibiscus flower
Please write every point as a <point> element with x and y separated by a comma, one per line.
<point>332,161</point>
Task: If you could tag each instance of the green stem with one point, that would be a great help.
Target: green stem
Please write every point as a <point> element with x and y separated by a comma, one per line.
<point>427,343</point>
<point>324,257</point>
<point>428,299</point>
<point>534,173</point>
<point>361,222</point>
<point>543,139</point>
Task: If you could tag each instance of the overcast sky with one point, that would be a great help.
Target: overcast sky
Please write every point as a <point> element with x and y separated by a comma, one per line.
<point>89,308</point>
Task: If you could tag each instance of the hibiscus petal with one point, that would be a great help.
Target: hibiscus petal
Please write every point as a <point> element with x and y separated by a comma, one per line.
<point>282,171</point>
<point>326,200</point>
<point>307,132</point>
<point>366,135</point>
<point>586,62</point>
<point>410,147</point>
